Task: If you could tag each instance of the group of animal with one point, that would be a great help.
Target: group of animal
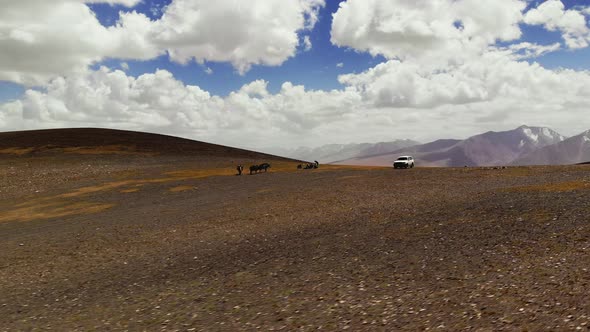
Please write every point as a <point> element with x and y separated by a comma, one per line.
<point>313,165</point>
<point>254,168</point>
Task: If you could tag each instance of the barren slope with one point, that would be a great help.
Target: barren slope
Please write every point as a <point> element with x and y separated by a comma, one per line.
<point>110,141</point>
<point>174,243</point>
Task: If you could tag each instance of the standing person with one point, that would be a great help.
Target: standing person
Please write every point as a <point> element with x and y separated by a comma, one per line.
<point>240,168</point>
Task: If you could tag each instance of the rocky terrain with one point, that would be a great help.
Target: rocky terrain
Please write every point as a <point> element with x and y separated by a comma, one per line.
<point>109,241</point>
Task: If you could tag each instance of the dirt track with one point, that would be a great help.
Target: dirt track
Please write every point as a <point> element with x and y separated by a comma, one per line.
<point>367,249</point>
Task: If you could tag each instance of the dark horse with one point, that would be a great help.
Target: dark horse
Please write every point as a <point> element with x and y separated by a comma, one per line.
<point>259,168</point>
<point>264,167</point>
<point>254,169</point>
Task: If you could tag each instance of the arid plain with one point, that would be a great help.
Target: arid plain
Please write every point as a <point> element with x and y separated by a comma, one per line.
<point>136,232</point>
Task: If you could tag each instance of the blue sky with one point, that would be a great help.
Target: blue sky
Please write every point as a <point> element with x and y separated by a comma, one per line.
<point>316,69</point>
<point>397,98</point>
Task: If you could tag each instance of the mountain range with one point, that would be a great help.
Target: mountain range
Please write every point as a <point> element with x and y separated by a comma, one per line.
<point>521,146</point>
<point>574,150</point>
<point>335,152</point>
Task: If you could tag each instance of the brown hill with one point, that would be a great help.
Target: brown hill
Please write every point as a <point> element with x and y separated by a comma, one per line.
<point>110,141</point>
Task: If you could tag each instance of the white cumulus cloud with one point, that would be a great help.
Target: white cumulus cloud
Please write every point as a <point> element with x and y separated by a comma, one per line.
<point>43,39</point>
<point>127,3</point>
<point>244,33</point>
<point>554,17</point>
<point>391,100</point>
<point>526,50</point>
<point>159,102</point>
<point>445,74</point>
<point>439,30</point>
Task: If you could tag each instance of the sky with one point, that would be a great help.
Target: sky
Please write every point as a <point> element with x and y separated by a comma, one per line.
<point>289,73</point>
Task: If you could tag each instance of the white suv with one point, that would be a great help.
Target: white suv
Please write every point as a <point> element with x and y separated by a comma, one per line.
<point>404,162</point>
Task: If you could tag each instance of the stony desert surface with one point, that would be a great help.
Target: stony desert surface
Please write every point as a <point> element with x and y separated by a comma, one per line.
<point>107,236</point>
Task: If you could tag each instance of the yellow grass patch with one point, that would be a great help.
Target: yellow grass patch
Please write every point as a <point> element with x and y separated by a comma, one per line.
<point>127,191</point>
<point>94,189</point>
<point>16,151</point>
<point>329,168</point>
<point>350,177</point>
<point>518,171</point>
<point>85,150</point>
<point>106,149</point>
<point>181,189</point>
<point>554,187</point>
<point>117,185</point>
<point>46,207</point>
<point>351,167</point>
<point>52,210</point>
<point>507,172</point>
<point>262,191</point>
<point>177,176</point>
<point>201,173</point>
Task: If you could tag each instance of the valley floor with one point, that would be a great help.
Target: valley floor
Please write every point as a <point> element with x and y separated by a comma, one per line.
<point>173,245</point>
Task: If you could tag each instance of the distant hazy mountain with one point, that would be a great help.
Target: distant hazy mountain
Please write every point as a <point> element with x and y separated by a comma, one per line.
<point>488,149</point>
<point>573,150</point>
<point>501,148</point>
<point>333,152</point>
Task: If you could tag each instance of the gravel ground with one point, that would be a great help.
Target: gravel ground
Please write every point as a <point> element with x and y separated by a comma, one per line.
<point>333,249</point>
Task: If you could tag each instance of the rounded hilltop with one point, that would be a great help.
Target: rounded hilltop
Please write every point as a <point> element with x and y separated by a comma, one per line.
<point>112,141</point>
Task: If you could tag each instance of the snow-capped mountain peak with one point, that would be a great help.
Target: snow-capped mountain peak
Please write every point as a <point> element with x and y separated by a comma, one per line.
<point>541,136</point>
<point>550,133</point>
<point>572,150</point>
<point>528,132</point>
